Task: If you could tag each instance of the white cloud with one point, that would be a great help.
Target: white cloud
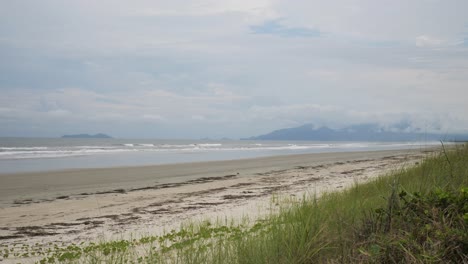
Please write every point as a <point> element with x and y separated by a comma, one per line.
<point>153,117</point>
<point>201,8</point>
<point>426,41</point>
<point>78,109</point>
<point>198,117</point>
<point>196,63</point>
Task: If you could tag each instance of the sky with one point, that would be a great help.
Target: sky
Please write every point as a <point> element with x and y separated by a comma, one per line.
<point>234,68</point>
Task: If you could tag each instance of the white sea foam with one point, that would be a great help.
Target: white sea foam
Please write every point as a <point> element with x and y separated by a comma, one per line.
<point>93,147</point>
<point>54,153</point>
<point>210,145</point>
<point>22,148</point>
<point>37,152</point>
<point>146,145</point>
<point>175,146</point>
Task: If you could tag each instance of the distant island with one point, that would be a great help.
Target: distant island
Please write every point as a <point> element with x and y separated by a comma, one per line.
<point>100,135</point>
<point>362,132</point>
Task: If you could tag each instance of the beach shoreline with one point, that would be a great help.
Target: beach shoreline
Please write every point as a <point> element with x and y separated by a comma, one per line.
<point>87,204</point>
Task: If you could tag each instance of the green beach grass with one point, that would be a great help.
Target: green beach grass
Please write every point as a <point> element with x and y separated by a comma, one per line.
<point>414,215</point>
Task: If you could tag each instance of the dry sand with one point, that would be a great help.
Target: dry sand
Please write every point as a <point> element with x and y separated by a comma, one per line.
<point>89,204</point>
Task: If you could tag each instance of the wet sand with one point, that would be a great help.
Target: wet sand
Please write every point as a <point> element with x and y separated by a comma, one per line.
<point>87,204</point>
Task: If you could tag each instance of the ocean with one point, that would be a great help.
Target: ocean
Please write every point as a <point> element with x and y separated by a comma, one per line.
<point>47,154</point>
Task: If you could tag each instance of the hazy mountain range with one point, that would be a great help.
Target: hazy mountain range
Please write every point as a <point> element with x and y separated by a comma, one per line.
<point>362,132</point>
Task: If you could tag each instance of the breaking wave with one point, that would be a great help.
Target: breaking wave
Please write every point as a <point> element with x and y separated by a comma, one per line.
<point>37,152</point>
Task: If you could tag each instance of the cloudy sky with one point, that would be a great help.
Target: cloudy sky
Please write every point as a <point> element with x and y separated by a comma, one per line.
<point>235,68</point>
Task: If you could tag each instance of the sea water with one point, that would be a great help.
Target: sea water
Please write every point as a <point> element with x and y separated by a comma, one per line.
<point>46,154</point>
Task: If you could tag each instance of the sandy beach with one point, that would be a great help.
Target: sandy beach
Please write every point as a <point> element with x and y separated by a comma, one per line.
<point>88,204</point>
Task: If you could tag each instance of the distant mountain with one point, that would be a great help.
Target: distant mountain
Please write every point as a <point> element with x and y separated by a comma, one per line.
<point>87,136</point>
<point>362,132</point>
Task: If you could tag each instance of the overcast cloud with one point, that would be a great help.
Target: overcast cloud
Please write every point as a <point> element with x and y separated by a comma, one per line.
<point>191,69</point>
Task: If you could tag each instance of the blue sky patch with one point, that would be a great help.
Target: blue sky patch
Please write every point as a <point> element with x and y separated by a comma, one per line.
<point>274,27</point>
